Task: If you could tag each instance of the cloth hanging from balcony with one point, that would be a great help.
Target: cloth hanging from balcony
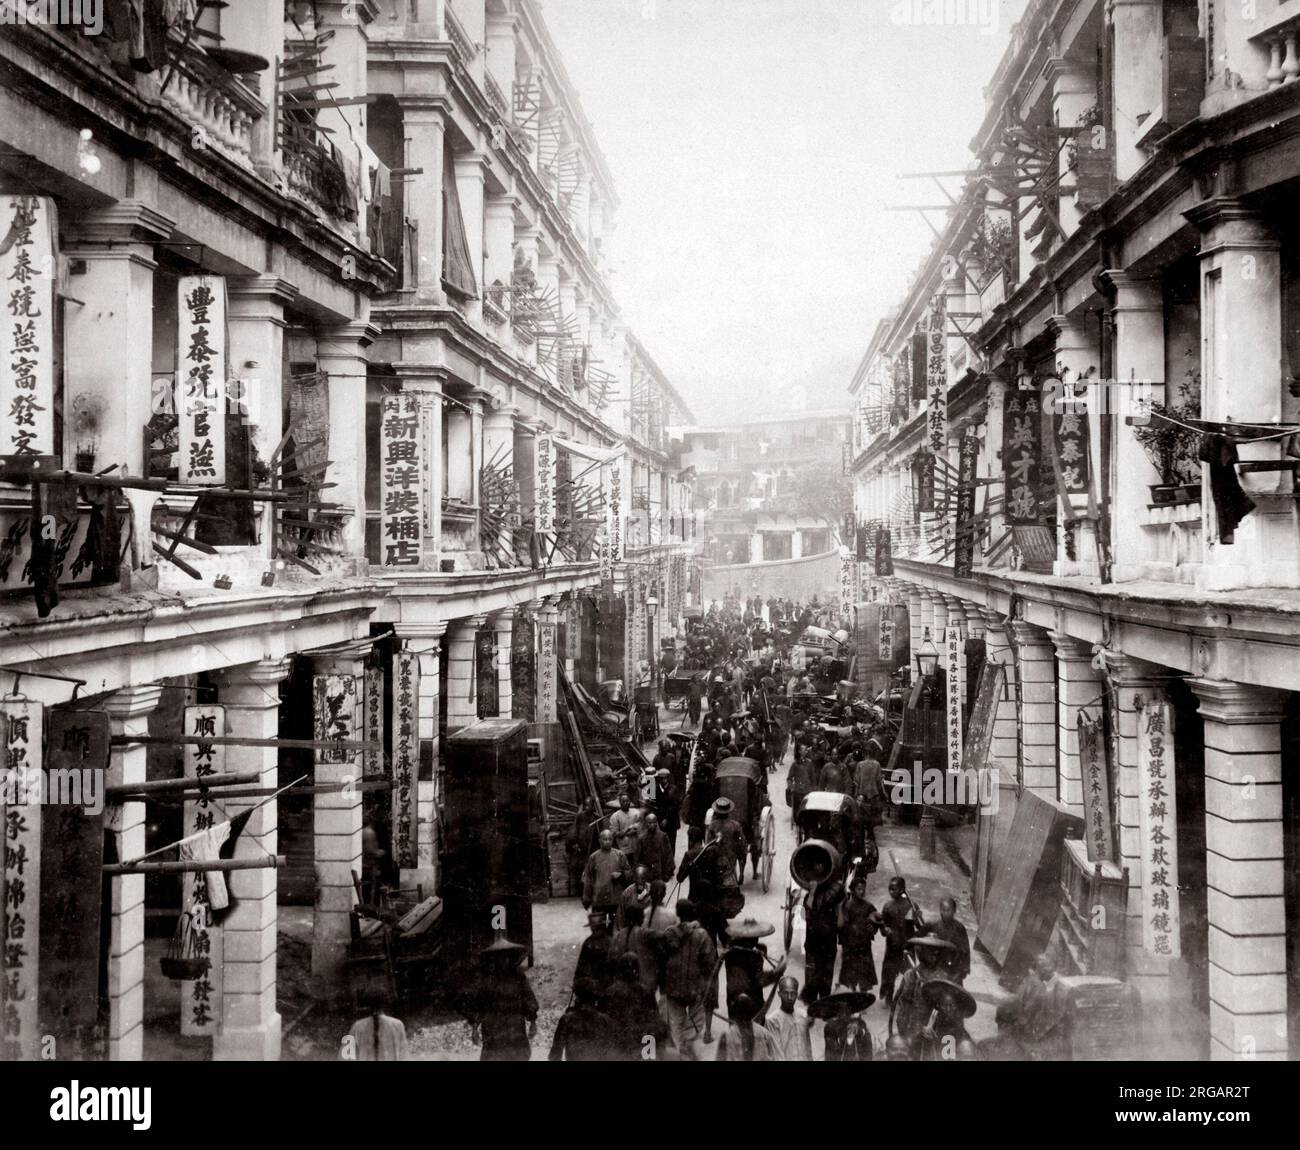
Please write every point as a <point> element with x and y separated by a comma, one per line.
<point>457,261</point>
<point>137,32</point>
<point>54,520</point>
<point>1231,503</point>
<point>104,534</point>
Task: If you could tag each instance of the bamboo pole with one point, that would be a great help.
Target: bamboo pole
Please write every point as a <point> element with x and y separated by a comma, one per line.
<point>244,741</point>
<point>193,866</point>
<point>153,786</point>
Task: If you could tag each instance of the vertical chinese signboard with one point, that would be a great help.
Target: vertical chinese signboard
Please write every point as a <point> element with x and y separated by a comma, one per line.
<point>546,681</point>
<point>1070,448</point>
<point>922,485</point>
<point>1022,458</point>
<point>402,516</point>
<point>372,704</point>
<point>887,634</point>
<point>201,379</point>
<point>953,665</point>
<point>203,892</point>
<point>964,546</point>
<point>544,484</point>
<point>27,357</point>
<point>1158,823</point>
<point>406,728</point>
<point>72,854</point>
<point>936,377</point>
<point>335,712</point>
<point>884,552</point>
<point>846,586</point>
<point>1096,789</point>
<point>612,544</point>
<point>20,890</point>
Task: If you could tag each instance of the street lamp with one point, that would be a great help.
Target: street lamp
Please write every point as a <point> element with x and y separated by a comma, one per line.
<point>927,657</point>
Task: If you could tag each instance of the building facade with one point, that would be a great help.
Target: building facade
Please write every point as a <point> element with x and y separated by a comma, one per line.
<point>317,291</point>
<point>1077,429</point>
<point>772,503</point>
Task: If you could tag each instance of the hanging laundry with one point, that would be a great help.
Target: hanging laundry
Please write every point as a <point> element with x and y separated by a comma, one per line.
<point>104,536</point>
<point>1231,503</point>
<point>54,521</point>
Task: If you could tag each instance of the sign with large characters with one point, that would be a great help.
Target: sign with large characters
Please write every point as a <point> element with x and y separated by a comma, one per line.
<point>23,744</point>
<point>203,892</point>
<point>405,727</point>
<point>401,512</point>
<point>201,379</point>
<point>544,484</point>
<point>954,666</point>
<point>27,277</point>
<point>1158,827</point>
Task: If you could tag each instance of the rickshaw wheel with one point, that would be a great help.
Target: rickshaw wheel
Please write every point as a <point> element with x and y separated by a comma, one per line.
<point>789,920</point>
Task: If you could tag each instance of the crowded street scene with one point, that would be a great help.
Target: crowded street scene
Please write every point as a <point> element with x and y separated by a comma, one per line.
<point>648,531</point>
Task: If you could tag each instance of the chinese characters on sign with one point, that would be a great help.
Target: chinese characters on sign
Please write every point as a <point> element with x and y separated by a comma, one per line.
<point>884,552</point>
<point>402,514</point>
<point>611,549</point>
<point>1158,821</point>
<point>1096,789</point>
<point>1070,450</point>
<point>546,669</point>
<point>936,378</point>
<point>954,665</point>
<point>923,483</point>
<point>887,632</point>
<point>964,547</point>
<point>334,710</point>
<point>406,732</point>
<point>1022,458</point>
<point>201,379</point>
<point>20,895</point>
<point>27,358</point>
<point>544,484</point>
<point>846,586</point>
<point>202,892</point>
<point>373,711</point>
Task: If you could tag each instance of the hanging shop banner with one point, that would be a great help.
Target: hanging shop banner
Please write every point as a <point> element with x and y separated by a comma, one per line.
<point>846,586</point>
<point>405,725</point>
<point>373,719</point>
<point>27,273</point>
<point>936,377</point>
<point>923,468</point>
<point>544,484</point>
<point>983,715</point>
<point>1096,789</point>
<point>884,553</point>
<point>203,892</point>
<point>402,516</point>
<point>888,633</point>
<point>612,544</point>
<point>22,741</point>
<point>336,704</point>
<point>954,666</point>
<point>1158,824</point>
<point>201,379</point>
<point>902,386</point>
<point>1022,454</point>
<point>1070,451</point>
<point>860,535</point>
<point>918,355</point>
<point>964,544</point>
<point>546,669</point>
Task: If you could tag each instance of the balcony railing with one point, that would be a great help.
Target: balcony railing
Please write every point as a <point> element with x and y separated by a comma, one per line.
<point>205,99</point>
<point>459,38</point>
<point>496,97</point>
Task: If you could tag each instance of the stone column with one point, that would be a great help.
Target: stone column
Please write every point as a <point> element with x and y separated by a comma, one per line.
<point>503,628</point>
<point>128,714</point>
<point>956,610</point>
<point>937,618</point>
<point>108,335</point>
<point>426,640</point>
<point>911,594</point>
<point>499,437</point>
<point>255,322</point>
<point>469,187</point>
<point>425,136</point>
<point>572,624</point>
<point>1135,684</point>
<point>336,826</point>
<point>250,1023</point>
<point>344,23</point>
<point>1036,663</point>
<point>1078,688</point>
<point>419,379</point>
<point>1136,77</point>
<point>1077,357</point>
<point>1241,367</point>
<point>998,649</point>
<point>461,687</point>
<point>1074,91</point>
<point>498,241</point>
<point>1245,872</point>
<point>341,355</point>
<point>1139,360</point>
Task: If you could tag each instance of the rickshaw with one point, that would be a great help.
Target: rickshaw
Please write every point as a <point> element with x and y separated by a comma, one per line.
<point>744,782</point>
<point>834,845</point>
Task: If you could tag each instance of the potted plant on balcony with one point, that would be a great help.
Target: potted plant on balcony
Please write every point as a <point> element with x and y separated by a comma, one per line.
<point>1174,446</point>
<point>87,414</point>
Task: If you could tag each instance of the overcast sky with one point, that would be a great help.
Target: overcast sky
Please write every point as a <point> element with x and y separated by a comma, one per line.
<point>754,145</point>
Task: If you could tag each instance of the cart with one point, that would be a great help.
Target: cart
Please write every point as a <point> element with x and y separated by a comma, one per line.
<point>744,782</point>
<point>833,846</point>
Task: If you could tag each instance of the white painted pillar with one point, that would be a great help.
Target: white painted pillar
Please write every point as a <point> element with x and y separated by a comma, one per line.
<point>461,687</point>
<point>128,714</point>
<point>1135,76</point>
<point>1078,688</point>
<point>341,355</point>
<point>250,1023</point>
<point>424,132</point>
<point>426,640</point>
<point>1245,873</point>
<point>1037,667</point>
<point>503,629</point>
<point>1077,356</point>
